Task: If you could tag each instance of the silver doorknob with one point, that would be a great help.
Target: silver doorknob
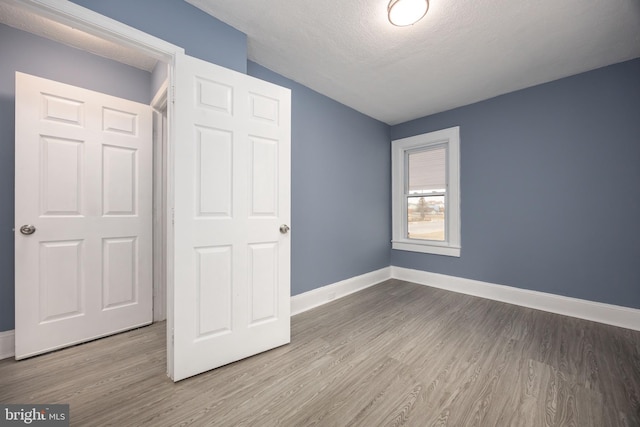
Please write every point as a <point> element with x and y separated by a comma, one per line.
<point>27,229</point>
<point>284,228</point>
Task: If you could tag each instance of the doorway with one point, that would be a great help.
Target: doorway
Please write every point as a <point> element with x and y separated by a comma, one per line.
<point>160,203</point>
<point>216,117</point>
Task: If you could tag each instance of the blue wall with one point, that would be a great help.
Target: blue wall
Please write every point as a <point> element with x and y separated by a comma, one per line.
<point>177,22</point>
<point>550,182</point>
<point>550,174</point>
<point>340,188</point>
<point>21,51</point>
<point>340,159</point>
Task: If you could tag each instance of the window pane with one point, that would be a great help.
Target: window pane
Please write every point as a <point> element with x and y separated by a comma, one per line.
<point>426,215</point>
<point>428,171</point>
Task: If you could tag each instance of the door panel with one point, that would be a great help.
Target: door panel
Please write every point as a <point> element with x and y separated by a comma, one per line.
<point>83,179</point>
<point>264,176</point>
<point>214,153</point>
<point>62,176</point>
<point>263,282</point>
<point>231,269</point>
<point>119,175</point>
<point>215,287</point>
<point>62,284</point>
<point>119,274</point>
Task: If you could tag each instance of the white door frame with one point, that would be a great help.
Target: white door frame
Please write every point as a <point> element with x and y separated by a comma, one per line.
<point>160,138</point>
<point>93,23</point>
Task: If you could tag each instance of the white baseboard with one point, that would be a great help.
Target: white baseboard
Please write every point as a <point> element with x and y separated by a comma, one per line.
<point>320,296</point>
<point>7,344</point>
<point>615,315</point>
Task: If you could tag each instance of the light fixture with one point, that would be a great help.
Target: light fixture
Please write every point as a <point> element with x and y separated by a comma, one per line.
<point>407,12</point>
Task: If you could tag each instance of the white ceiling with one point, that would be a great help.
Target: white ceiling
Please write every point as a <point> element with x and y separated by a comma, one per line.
<point>463,51</point>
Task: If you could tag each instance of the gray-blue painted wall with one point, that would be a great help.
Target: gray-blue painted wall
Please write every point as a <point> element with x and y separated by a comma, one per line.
<point>340,188</point>
<point>177,22</point>
<point>340,173</point>
<point>340,179</point>
<point>538,167</point>
<point>550,182</point>
<point>21,51</point>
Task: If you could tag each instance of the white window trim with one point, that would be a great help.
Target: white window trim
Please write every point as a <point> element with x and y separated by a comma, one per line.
<point>450,247</point>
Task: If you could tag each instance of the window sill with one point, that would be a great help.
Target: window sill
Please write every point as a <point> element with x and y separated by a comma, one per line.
<point>426,248</point>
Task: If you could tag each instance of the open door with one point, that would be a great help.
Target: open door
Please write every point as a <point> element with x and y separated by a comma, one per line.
<point>83,215</point>
<point>229,287</point>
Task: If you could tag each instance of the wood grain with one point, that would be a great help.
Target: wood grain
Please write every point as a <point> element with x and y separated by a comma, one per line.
<point>396,354</point>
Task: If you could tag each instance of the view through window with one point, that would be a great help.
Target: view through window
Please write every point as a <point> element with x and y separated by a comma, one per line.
<point>426,192</point>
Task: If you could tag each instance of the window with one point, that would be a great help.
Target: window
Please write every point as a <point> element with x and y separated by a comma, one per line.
<point>426,193</point>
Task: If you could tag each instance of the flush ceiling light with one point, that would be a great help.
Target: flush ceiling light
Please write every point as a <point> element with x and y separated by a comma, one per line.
<point>407,12</point>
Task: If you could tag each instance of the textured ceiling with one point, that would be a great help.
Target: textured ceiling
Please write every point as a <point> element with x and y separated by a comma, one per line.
<point>25,20</point>
<point>462,51</point>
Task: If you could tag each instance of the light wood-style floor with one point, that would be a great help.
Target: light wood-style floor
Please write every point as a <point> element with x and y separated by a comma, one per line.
<point>394,354</point>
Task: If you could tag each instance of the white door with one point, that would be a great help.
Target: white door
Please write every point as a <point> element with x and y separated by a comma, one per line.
<point>83,183</point>
<point>231,271</point>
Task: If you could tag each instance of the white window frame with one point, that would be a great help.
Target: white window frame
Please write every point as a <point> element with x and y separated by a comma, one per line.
<point>399,148</point>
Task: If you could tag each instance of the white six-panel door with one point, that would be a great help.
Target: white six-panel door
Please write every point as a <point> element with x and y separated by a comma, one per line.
<point>231,267</point>
<point>83,181</point>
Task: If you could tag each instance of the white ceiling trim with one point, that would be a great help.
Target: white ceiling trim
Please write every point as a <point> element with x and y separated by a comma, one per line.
<point>21,16</point>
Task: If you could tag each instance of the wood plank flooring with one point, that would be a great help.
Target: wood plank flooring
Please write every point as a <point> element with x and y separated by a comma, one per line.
<point>394,354</point>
